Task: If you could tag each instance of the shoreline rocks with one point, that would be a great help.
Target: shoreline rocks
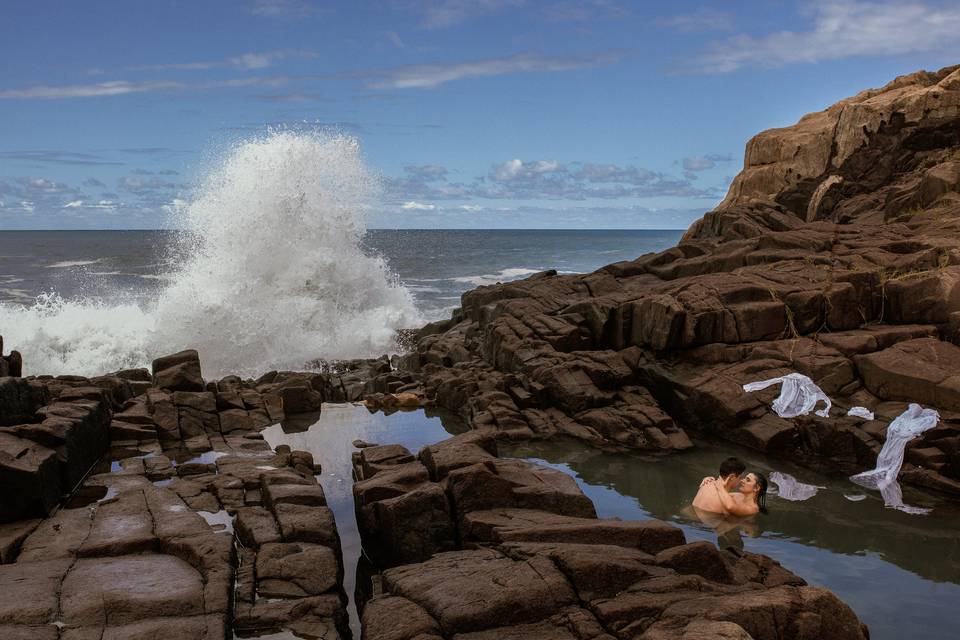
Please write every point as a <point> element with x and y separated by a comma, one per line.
<point>487,548</point>
<point>834,255</point>
<point>186,521</point>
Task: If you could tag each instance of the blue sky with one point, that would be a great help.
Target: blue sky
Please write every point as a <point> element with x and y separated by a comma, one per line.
<point>492,113</point>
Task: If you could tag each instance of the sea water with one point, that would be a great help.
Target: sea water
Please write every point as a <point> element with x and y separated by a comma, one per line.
<point>272,267</point>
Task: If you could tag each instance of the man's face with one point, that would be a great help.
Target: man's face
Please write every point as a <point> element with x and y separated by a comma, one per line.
<point>731,481</point>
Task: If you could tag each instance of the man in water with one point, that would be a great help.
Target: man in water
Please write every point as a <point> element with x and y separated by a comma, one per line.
<point>707,499</point>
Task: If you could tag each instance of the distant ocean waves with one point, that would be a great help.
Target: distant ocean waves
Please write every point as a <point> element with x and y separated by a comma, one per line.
<point>275,269</point>
<point>270,275</point>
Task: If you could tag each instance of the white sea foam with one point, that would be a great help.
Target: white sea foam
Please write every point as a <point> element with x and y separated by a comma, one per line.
<point>274,277</point>
<point>66,264</point>
<point>504,275</point>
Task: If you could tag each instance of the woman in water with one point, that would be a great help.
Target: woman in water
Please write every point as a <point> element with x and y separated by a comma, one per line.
<point>751,499</point>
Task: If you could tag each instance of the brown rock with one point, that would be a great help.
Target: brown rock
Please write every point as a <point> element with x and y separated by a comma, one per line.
<point>37,585</point>
<point>407,528</point>
<point>201,401</point>
<point>528,525</point>
<point>127,589</point>
<point>255,526</point>
<point>462,450</point>
<point>394,618</point>
<point>296,569</point>
<point>179,372</point>
<point>300,523</point>
<point>515,483</point>
<point>922,370</point>
<point>30,477</point>
<point>475,590</point>
<point>310,495</point>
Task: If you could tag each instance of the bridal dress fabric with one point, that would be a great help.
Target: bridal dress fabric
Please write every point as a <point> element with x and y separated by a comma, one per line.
<point>907,426</point>
<point>860,412</point>
<point>799,395</point>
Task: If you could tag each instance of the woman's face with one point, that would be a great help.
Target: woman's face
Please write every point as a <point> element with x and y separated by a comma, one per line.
<point>748,483</point>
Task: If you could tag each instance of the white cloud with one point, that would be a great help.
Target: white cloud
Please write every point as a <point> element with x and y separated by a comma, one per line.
<point>244,61</point>
<point>175,206</point>
<point>516,179</point>
<point>24,206</point>
<point>517,169</point>
<point>41,185</point>
<point>137,184</point>
<point>842,29</point>
<point>413,205</point>
<point>57,157</point>
<point>122,87</point>
<point>703,163</point>
<point>283,8</point>
<point>104,205</point>
<point>558,217</point>
<point>111,88</point>
<point>428,76</point>
<point>447,13</point>
<point>706,19</point>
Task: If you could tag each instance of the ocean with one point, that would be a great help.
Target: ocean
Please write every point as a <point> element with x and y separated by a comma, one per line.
<point>93,301</point>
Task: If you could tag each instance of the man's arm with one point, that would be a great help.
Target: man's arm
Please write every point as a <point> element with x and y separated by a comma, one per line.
<point>731,506</point>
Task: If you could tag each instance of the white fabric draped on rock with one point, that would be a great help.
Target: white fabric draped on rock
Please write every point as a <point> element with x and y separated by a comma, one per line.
<point>799,395</point>
<point>860,412</point>
<point>907,426</point>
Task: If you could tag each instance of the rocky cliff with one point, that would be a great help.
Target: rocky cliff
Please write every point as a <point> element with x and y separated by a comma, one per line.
<point>835,254</point>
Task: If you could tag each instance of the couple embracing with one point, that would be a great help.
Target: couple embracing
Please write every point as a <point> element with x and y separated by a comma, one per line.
<point>716,495</point>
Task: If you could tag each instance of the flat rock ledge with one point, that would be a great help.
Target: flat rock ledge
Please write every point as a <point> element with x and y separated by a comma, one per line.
<point>147,504</point>
<point>834,255</point>
<point>467,546</point>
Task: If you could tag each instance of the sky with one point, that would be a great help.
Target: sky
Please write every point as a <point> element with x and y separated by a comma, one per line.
<point>482,114</point>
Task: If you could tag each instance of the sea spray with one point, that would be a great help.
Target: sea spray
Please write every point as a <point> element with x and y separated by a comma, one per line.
<point>273,275</point>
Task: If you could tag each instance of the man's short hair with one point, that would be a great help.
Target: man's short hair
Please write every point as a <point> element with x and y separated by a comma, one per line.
<point>731,465</point>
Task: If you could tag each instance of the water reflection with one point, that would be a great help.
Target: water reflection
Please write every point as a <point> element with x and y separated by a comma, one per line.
<point>789,488</point>
<point>329,436</point>
<point>899,572</point>
<point>839,538</point>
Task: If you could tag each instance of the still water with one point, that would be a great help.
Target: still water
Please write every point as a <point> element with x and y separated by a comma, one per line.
<point>899,572</point>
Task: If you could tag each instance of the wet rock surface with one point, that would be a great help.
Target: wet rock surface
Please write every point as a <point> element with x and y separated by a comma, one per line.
<point>834,255</point>
<point>508,550</point>
<point>140,505</point>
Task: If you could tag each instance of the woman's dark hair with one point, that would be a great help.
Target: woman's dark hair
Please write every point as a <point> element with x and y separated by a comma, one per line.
<point>761,491</point>
<point>731,465</point>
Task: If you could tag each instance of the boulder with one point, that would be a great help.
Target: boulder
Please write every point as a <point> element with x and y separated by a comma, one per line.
<point>516,483</point>
<point>475,590</point>
<point>179,372</point>
<point>30,478</point>
<point>296,569</point>
<point>20,399</point>
<point>925,371</point>
<point>528,525</point>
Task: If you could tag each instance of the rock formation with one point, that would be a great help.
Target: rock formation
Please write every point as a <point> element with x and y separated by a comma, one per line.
<point>835,254</point>
<point>168,512</point>
<point>469,546</point>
